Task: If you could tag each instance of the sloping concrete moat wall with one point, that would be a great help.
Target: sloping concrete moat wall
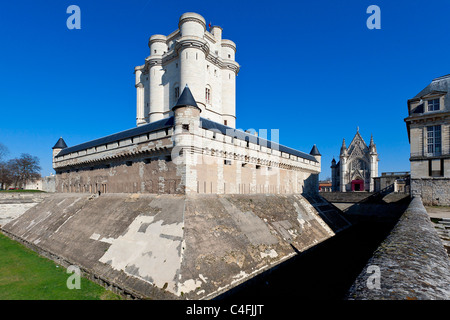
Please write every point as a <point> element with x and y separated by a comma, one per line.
<point>14,204</point>
<point>412,262</point>
<point>170,246</point>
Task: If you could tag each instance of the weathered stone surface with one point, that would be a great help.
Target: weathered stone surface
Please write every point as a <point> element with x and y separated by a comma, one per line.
<point>434,191</point>
<point>13,205</point>
<point>170,246</point>
<point>412,262</point>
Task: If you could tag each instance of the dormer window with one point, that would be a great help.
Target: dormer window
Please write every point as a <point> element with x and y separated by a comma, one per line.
<point>433,105</point>
<point>177,92</point>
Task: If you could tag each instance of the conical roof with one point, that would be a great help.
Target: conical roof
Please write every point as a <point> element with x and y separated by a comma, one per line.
<point>61,144</point>
<point>315,151</point>
<point>186,99</point>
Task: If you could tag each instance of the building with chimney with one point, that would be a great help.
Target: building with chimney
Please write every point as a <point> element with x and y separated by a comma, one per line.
<point>185,141</point>
<point>357,166</point>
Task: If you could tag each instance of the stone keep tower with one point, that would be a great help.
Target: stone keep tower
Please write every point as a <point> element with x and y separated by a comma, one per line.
<point>190,56</point>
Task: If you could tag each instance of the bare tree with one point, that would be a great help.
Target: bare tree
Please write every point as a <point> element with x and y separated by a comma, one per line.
<point>6,174</point>
<point>18,171</point>
<point>24,169</point>
<point>5,177</point>
<point>3,151</point>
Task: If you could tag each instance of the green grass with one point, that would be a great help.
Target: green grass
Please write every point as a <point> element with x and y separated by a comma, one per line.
<point>24,275</point>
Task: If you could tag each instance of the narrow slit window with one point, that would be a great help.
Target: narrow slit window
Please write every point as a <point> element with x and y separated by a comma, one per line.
<point>208,95</point>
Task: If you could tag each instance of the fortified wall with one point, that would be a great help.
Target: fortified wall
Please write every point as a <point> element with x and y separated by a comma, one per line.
<point>185,154</point>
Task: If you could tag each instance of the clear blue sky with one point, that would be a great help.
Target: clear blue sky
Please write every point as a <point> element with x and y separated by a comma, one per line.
<point>311,69</point>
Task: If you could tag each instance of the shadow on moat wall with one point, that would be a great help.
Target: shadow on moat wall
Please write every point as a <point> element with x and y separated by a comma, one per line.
<point>327,270</point>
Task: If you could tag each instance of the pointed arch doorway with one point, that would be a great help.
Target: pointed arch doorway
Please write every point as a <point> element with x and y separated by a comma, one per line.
<point>358,185</point>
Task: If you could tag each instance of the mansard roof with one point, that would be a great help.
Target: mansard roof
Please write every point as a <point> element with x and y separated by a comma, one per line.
<point>146,128</point>
<point>440,85</point>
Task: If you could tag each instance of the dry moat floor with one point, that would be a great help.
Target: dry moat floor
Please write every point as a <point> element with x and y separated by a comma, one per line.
<point>326,271</point>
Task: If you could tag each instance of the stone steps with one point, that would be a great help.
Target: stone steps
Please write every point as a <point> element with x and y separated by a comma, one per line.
<point>442,227</point>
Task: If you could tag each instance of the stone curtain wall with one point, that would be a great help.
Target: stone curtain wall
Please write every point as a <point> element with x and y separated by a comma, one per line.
<point>411,264</point>
<point>434,191</point>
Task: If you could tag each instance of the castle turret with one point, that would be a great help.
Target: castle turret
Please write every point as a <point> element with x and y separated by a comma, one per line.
<point>229,84</point>
<point>315,152</point>
<point>192,49</point>
<point>158,47</point>
<point>186,118</point>
<point>315,177</point>
<point>333,175</point>
<point>186,128</point>
<point>60,144</point>
<point>140,96</point>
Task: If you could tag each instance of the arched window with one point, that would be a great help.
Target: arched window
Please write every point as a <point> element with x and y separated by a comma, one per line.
<point>358,164</point>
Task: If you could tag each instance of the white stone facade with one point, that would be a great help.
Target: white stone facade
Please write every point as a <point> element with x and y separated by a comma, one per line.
<point>357,167</point>
<point>193,56</point>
